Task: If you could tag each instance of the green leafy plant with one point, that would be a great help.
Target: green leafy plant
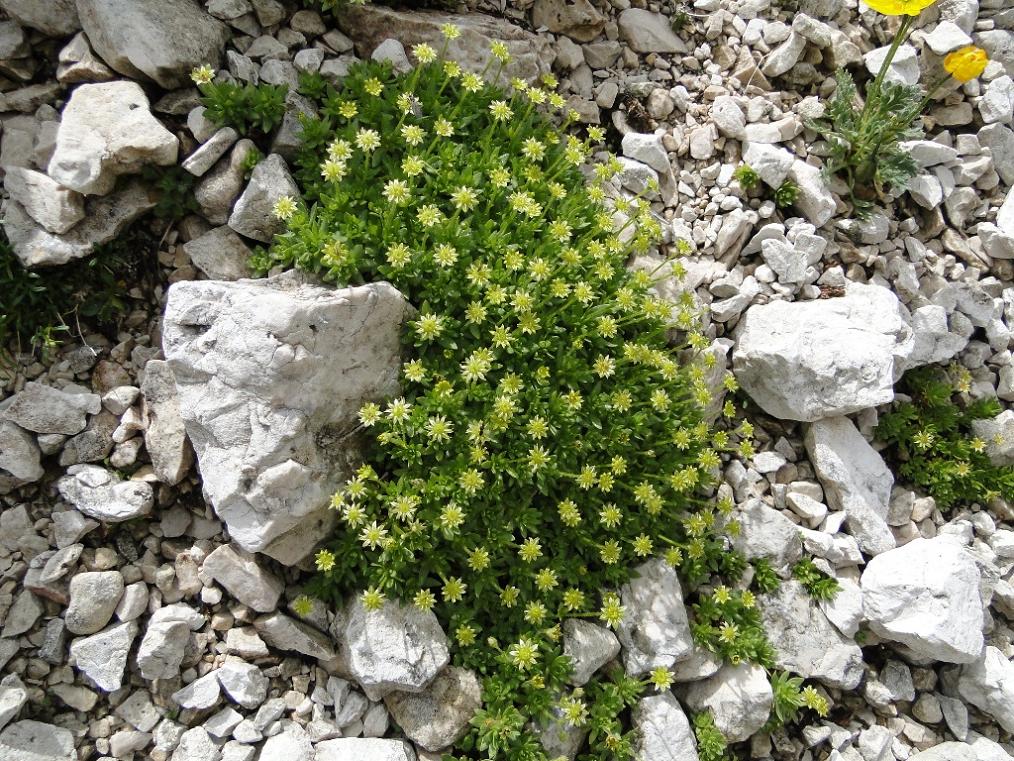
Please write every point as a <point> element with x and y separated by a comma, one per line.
<point>786,194</point>
<point>864,135</point>
<point>175,188</point>
<point>679,18</point>
<point>817,583</point>
<point>765,579</point>
<point>711,745</point>
<point>931,442</point>
<point>789,696</point>
<point>247,107</point>
<point>746,176</point>
<point>252,158</point>
<point>40,307</point>
<point>549,437</point>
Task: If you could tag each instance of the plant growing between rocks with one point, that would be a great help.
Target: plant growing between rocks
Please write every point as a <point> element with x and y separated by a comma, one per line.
<point>549,437</point>
<point>931,438</point>
<point>244,107</point>
<point>864,135</point>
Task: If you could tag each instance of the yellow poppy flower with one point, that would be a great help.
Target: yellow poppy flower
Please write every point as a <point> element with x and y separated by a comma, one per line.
<point>899,7</point>
<point>967,63</point>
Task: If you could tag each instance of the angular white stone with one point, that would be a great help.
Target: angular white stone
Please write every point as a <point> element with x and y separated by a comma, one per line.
<point>438,716</point>
<point>271,375</point>
<point>766,533</point>
<point>244,682</point>
<point>648,32</point>
<point>364,749</point>
<point>998,433</point>
<point>44,409</point>
<point>988,684</point>
<point>805,641</point>
<point>163,40</point>
<point>771,163</point>
<point>13,696</point>
<point>46,201</point>
<point>253,215</point>
<point>94,596</point>
<point>29,740</point>
<point>102,657</point>
<point>816,359</point>
<point>739,697</point>
<point>926,596</point>
<point>107,130</point>
<point>285,633</point>
<point>855,479</point>
<point>165,437</point>
<point>662,730</point>
<point>397,647</point>
<point>240,574</point>
<point>655,630</point>
<point>99,494</point>
<point>589,647</point>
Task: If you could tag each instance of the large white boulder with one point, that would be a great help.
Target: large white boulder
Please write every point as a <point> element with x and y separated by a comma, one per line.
<point>271,375</point>
<point>808,360</point>
<point>161,40</point>
<point>926,596</point>
<point>107,130</point>
<point>855,480</point>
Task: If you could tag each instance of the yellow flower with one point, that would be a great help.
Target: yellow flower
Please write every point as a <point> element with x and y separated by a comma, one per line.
<point>899,7</point>
<point>284,207</point>
<point>967,63</point>
<point>202,75</point>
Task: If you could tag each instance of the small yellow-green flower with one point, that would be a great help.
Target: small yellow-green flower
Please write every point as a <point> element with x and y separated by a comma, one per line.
<point>324,560</point>
<point>424,599</point>
<point>531,550</point>
<point>524,653</point>
<point>284,207</point>
<point>424,53</point>
<point>373,599</point>
<point>202,75</point>
<point>454,589</point>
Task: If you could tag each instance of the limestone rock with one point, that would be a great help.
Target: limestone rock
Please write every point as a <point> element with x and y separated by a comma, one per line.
<point>578,20</point>
<point>55,18</point>
<point>46,201</point>
<point>44,409</point>
<point>398,647</point>
<point>806,642</point>
<point>105,218</point>
<point>655,630</point>
<point>371,24</point>
<point>93,598</point>
<point>165,641</point>
<point>163,41</point>
<point>285,633</point>
<point>165,437</point>
<point>364,749</point>
<point>102,657</point>
<point>20,458</point>
<point>107,130</point>
<point>220,254</point>
<point>29,740</point>
<point>99,494</point>
<point>438,716</point>
<point>662,730</point>
<point>253,215</point>
<point>648,32</point>
<point>240,574</point>
<point>244,682</point>
<point>271,375</point>
<point>815,359</point>
<point>766,533</point>
<point>926,596</point>
<point>855,479</point>
<point>739,697</point>
<point>589,647</point>
<point>13,697</point>
<point>988,684</point>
